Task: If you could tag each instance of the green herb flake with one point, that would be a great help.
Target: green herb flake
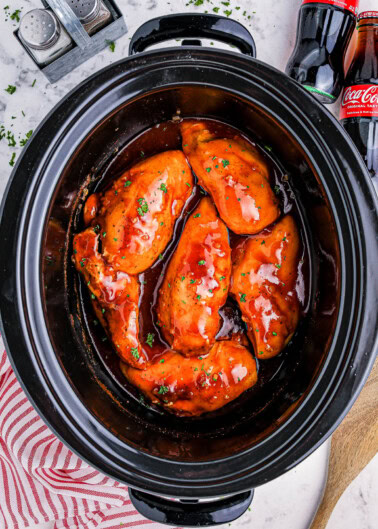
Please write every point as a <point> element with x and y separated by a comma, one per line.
<point>202,262</point>
<point>262,242</point>
<point>225,163</point>
<point>274,333</point>
<point>243,298</point>
<point>163,390</point>
<point>33,83</point>
<point>163,188</point>
<point>135,353</point>
<point>12,160</point>
<point>11,89</point>
<point>25,140</point>
<point>182,278</point>
<point>197,215</point>
<point>143,206</point>
<point>192,281</point>
<point>277,266</point>
<point>127,183</point>
<point>150,338</point>
<point>187,184</point>
<point>111,45</point>
<point>208,169</point>
<point>16,15</point>
<point>222,277</point>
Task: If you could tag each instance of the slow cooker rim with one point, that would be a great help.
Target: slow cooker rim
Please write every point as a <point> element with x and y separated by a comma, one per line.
<point>148,53</point>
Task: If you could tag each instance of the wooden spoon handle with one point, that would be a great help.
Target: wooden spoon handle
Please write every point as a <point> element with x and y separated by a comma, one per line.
<point>353,445</point>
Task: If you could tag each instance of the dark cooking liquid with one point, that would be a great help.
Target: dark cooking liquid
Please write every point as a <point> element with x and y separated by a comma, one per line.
<point>164,137</point>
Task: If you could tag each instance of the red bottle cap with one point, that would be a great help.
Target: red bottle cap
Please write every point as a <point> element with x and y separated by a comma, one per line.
<point>368,14</point>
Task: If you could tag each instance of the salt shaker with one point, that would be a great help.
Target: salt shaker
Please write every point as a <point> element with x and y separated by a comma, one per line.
<point>43,36</point>
<point>93,14</point>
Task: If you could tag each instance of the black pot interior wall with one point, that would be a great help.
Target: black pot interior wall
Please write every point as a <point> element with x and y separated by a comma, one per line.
<point>90,363</point>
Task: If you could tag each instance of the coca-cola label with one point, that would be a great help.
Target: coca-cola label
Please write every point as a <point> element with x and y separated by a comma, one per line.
<point>359,100</point>
<point>350,5</point>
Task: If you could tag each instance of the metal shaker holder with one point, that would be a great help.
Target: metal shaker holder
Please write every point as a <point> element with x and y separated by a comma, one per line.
<point>84,45</point>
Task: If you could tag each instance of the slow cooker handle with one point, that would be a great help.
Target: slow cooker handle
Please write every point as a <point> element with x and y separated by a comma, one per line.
<point>193,25</point>
<point>190,513</point>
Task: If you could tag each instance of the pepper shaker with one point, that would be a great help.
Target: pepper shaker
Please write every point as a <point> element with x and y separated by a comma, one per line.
<point>43,36</point>
<point>93,14</point>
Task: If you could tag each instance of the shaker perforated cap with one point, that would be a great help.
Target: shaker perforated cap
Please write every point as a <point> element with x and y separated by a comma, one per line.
<point>85,10</point>
<point>39,29</point>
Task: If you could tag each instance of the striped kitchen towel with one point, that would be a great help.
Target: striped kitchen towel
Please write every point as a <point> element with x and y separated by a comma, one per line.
<point>41,480</point>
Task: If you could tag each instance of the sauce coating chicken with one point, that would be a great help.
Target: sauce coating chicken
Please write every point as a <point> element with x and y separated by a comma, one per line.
<point>115,297</point>
<point>196,283</point>
<point>192,386</point>
<point>264,276</point>
<point>234,174</point>
<point>138,213</point>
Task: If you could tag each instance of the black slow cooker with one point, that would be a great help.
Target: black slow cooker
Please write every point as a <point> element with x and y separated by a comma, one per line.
<point>170,463</point>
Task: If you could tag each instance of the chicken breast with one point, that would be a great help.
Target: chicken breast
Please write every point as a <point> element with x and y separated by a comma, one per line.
<point>115,297</point>
<point>235,175</point>
<point>138,213</point>
<point>196,283</point>
<point>264,276</point>
<point>192,386</point>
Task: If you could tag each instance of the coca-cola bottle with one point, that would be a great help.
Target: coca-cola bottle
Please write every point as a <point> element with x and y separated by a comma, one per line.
<point>323,34</point>
<point>359,104</point>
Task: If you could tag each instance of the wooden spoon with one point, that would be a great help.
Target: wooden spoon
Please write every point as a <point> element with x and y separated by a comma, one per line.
<point>353,445</point>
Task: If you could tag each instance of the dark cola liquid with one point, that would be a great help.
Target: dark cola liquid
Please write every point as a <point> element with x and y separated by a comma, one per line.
<point>364,133</point>
<point>323,34</point>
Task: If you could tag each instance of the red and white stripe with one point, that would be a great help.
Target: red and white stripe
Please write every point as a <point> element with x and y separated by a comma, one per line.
<point>41,480</point>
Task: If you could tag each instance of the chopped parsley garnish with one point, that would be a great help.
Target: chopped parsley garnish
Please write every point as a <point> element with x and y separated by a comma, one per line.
<point>222,277</point>
<point>192,281</point>
<point>163,188</point>
<point>33,83</point>
<point>11,161</point>
<point>111,45</point>
<point>127,183</point>
<point>187,184</point>
<point>104,234</point>
<point>182,278</point>
<point>162,361</point>
<point>277,190</point>
<point>150,338</point>
<point>198,297</point>
<point>261,352</point>
<point>243,298</point>
<point>11,89</point>
<point>16,15</point>
<point>277,266</point>
<point>143,206</point>
<point>134,352</point>
<point>262,242</point>
<point>163,390</point>
<point>284,239</point>
<point>115,239</point>
<point>202,262</point>
<point>208,169</point>
<point>197,215</point>
<point>93,296</point>
<point>225,163</point>
<point>24,141</point>
<point>274,333</point>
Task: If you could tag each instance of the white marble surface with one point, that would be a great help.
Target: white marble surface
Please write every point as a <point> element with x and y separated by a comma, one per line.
<point>290,501</point>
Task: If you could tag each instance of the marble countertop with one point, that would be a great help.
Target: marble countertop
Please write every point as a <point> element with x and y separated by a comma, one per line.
<point>290,501</point>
